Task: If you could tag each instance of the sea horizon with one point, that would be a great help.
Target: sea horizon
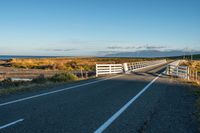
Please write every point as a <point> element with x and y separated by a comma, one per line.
<point>7,57</point>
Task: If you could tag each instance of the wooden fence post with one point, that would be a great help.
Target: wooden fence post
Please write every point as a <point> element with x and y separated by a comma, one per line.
<point>81,73</point>
<point>196,75</point>
<point>86,74</point>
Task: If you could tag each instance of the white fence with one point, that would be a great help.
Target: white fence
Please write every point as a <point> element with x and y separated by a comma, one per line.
<point>108,69</point>
<point>194,75</point>
<point>125,67</point>
<point>144,64</point>
<point>174,69</point>
<point>20,79</point>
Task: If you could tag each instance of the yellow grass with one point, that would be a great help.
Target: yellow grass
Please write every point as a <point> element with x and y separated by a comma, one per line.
<point>66,63</point>
<point>194,70</point>
<point>195,65</point>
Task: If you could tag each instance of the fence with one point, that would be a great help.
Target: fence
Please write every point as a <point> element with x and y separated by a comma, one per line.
<point>178,71</point>
<point>185,72</point>
<point>173,69</point>
<point>144,64</point>
<point>194,75</point>
<point>125,67</point>
<point>108,69</point>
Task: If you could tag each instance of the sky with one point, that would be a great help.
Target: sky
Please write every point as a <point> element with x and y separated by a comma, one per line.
<point>97,27</point>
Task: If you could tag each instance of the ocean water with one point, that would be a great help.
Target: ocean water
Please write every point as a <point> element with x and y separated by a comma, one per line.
<point>7,57</point>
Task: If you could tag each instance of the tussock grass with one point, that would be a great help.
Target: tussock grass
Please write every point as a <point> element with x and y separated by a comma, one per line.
<point>23,88</point>
<point>64,77</point>
<point>9,87</point>
<point>64,64</point>
<point>68,64</point>
<point>195,64</point>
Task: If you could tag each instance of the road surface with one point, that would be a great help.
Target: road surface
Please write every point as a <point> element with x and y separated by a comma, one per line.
<point>140,102</point>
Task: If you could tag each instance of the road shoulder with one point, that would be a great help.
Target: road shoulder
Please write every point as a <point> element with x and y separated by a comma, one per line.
<point>175,111</point>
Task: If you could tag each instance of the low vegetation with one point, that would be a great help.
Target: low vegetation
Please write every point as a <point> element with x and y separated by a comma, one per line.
<point>61,66</point>
<point>187,57</point>
<point>63,77</point>
<point>9,87</point>
<point>194,71</point>
<point>195,64</point>
<point>67,64</point>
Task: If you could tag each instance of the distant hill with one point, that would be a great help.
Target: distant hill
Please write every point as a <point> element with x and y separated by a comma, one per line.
<point>154,54</point>
<point>194,57</point>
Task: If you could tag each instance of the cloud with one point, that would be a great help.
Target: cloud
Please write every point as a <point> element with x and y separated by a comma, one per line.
<point>150,47</point>
<point>114,47</point>
<point>60,50</point>
<point>155,47</point>
<point>63,50</point>
<point>120,47</point>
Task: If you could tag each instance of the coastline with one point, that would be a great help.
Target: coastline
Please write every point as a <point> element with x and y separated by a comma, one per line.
<point>8,57</point>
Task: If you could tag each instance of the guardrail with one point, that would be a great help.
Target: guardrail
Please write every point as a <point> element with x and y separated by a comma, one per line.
<point>144,64</point>
<point>173,69</point>
<point>108,69</point>
<point>178,71</point>
<point>102,69</point>
<point>194,75</point>
<point>20,79</point>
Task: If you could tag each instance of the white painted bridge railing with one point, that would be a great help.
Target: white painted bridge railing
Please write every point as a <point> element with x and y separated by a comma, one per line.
<point>144,64</point>
<point>108,69</point>
<point>102,69</point>
<point>174,69</point>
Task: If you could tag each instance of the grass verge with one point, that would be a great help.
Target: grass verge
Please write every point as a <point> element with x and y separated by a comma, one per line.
<point>7,87</point>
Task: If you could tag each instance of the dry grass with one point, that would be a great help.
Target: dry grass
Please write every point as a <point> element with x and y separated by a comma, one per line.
<point>193,64</point>
<point>31,87</point>
<point>67,64</point>
<point>7,87</point>
<point>23,88</point>
<point>194,70</point>
<point>33,67</point>
<point>21,67</point>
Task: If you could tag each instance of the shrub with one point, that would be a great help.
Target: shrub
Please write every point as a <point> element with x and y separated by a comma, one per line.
<point>8,83</point>
<point>64,77</point>
<point>40,79</point>
<point>73,64</point>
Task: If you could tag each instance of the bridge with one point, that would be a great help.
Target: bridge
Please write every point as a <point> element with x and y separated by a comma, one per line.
<point>139,98</point>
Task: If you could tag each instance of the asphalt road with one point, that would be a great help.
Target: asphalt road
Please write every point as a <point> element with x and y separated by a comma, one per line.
<point>134,103</point>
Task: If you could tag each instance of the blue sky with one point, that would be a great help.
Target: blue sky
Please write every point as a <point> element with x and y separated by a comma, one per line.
<point>97,27</point>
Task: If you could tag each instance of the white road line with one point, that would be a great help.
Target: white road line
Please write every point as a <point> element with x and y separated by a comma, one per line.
<point>119,112</point>
<point>56,91</point>
<point>10,124</point>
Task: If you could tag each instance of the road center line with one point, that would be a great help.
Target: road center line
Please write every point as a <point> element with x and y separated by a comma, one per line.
<point>10,124</point>
<point>119,112</point>
<point>56,91</point>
